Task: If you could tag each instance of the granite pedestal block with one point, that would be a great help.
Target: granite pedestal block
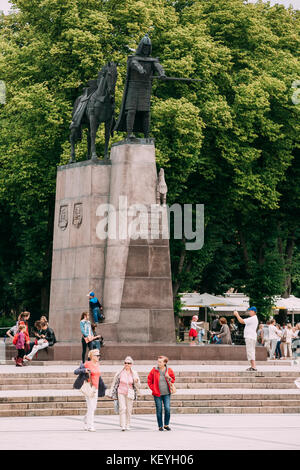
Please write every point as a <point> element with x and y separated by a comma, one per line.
<point>78,254</point>
<point>130,273</point>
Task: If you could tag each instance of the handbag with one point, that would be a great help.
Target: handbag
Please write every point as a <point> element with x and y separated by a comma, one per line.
<point>172,388</point>
<point>88,339</point>
<point>87,390</point>
<point>116,406</point>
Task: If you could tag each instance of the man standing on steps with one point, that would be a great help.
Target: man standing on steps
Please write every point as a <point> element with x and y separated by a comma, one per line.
<point>250,335</point>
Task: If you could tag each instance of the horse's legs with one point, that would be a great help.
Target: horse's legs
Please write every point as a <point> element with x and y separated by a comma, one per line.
<point>107,136</point>
<point>93,131</point>
<point>72,142</point>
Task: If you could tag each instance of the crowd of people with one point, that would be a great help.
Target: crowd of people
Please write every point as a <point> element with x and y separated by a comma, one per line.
<point>125,389</point>
<point>43,337</point>
<point>278,340</point>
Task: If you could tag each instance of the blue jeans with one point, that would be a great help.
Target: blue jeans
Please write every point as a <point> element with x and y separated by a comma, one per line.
<point>96,344</point>
<point>96,315</point>
<point>164,399</point>
<point>278,350</point>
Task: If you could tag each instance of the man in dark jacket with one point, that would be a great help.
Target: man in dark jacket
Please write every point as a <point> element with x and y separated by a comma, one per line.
<point>96,308</point>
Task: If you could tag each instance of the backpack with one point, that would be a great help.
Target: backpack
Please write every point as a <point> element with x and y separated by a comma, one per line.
<point>15,338</point>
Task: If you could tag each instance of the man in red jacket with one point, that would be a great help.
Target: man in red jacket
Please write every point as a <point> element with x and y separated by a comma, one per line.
<point>159,381</point>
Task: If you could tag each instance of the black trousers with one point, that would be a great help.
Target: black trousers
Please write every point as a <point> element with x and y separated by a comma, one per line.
<point>84,347</point>
<point>21,353</point>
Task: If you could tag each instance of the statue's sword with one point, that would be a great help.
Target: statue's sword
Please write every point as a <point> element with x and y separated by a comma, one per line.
<point>177,79</point>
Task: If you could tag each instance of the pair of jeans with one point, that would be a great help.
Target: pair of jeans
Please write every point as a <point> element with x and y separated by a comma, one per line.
<point>96,344</point>
<point>159,401</point>
<point>97,316</point>
<point>84,347</point>
<point>278,349</point>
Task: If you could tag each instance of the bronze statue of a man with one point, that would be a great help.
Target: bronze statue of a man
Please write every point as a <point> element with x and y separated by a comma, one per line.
<point>135,108</point>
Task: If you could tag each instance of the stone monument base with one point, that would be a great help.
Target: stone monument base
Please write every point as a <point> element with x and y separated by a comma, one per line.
<point>176,352</point>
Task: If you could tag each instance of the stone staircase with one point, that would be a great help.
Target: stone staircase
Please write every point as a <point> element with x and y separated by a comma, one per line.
<point>184,380</point>
<point>52,394</point>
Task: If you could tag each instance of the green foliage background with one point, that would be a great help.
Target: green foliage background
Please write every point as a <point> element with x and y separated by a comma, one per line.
<point>230,143</point>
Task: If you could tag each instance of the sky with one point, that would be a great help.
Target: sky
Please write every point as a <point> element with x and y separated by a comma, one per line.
<point>5,6</point>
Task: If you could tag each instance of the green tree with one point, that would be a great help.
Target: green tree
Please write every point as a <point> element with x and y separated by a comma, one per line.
<point>229,142</point>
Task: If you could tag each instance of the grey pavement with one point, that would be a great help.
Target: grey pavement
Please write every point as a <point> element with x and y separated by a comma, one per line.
<point>189,432</point>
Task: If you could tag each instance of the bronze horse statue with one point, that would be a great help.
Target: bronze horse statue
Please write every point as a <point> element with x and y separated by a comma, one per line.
<point>94,106</point>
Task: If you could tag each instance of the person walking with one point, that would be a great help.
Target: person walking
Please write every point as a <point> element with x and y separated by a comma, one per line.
<point>91,367</point>
<point>278,354</point>
<point>193,333</point>
<point>233,329</point>
<point>260,334</point>
<point>96,308</point>
<point>250,335</point>
<point>273,337</point>
<point>224,334</point>
<point>216,324</point>
<point>159,380</point>
<point>19,341</point>
<point>47,339</point>
<point>87,334</point>
<point>125,388</point>
<point>287,341</point>
<point>267,341</point>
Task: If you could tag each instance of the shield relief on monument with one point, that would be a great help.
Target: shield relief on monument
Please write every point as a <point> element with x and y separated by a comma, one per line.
<point>63,217</point>
<point>77,214</point>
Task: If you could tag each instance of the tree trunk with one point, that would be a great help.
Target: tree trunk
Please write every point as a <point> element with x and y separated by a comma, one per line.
<point>290,245</point>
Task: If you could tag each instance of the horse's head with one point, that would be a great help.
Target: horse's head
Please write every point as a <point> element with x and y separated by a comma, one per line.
<point>111,76</point>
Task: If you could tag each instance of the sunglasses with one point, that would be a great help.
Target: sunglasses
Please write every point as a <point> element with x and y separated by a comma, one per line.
<point>127,362</point>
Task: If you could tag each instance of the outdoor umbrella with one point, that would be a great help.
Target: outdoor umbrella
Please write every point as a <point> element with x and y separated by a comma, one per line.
<point>205,300</point>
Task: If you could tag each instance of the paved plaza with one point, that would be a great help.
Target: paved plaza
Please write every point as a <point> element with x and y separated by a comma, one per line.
<point>189,432</point>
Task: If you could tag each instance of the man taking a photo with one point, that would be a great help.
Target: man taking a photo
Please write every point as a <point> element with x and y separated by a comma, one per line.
<point>250,335</point>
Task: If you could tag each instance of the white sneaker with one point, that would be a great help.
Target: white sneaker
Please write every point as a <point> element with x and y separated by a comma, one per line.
<point>91,429</point>
<point>128,428</point>
<point>123,429</point>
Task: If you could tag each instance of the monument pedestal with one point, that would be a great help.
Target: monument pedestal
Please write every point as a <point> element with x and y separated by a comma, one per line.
<point>130,275</point>
<point>78,254</point>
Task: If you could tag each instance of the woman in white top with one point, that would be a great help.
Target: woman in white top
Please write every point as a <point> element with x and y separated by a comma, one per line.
<point>273,337</point>
<point>287,340</point>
